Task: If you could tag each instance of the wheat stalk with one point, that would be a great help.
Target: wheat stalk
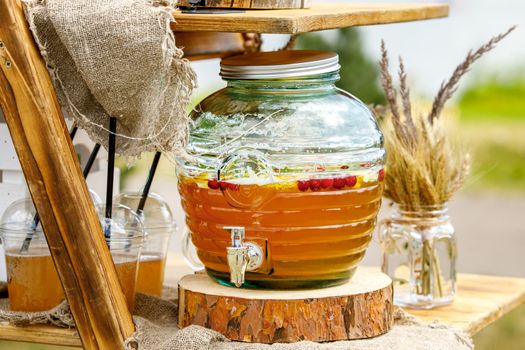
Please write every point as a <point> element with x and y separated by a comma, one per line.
<point>449,87</point>
<point>387,82</point>
<point>423,169</point>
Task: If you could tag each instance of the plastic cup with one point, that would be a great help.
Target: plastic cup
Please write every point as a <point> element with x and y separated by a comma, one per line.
<point>124,236</point>
<point>159,226</point>
<point>32,280</point>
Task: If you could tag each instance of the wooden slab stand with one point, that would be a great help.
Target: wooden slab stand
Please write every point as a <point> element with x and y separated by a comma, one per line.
<point>361,308</point>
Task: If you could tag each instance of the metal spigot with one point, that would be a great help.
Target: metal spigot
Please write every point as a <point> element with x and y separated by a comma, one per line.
<point>242,256</point>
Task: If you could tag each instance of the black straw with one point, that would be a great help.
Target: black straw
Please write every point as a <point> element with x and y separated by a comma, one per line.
<point>149,181</point>
<point>147,187</point>
<point>91,160</point>
<point>73,132</point>
<point>111,171</point>
<point>36,218</point>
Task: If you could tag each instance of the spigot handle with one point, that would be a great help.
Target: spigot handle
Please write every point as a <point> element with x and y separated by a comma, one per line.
<point>237,262</point>
<point>237,255</point>
<point>242,256</point>
<point>237,234</point>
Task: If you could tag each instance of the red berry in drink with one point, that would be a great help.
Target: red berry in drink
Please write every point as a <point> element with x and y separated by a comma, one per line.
<point>213,184</point>
<point>381,175</point>
<point>224,185</point>
<point>303,186</point>
<point>339,183</point>
<point>315,184</point>
<point>233,187</point>
<point>351,180</point>
<point>327,183</point>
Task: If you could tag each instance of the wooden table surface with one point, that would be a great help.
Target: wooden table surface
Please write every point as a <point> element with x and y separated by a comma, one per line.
<point>319,17</point>
<point>480,301</point>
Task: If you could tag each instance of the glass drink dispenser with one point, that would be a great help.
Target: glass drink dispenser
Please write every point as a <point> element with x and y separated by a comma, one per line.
<point>284,174</point>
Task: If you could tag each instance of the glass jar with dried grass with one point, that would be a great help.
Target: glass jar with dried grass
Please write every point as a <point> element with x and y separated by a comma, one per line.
<point>419,254</point>
<point>424,171</point>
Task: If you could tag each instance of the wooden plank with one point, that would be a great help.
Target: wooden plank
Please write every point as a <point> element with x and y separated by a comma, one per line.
<point>247,4</point>
<point>55,180</point>
<point>205,45</point>
<point>243,3</point>
<point>280,4</point>
<point>481,300</point>
<point>318,17</point>
<point>41,334</point>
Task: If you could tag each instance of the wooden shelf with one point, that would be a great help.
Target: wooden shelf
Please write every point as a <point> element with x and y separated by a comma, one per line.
<point>481,300</point>
<point>41,334</point>
<point>319,17</point>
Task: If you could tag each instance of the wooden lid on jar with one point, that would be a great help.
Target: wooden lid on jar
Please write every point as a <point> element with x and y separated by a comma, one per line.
<point>279,64</point>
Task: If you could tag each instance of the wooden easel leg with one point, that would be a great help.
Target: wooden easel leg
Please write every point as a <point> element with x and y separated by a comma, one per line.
<point>56,183</point>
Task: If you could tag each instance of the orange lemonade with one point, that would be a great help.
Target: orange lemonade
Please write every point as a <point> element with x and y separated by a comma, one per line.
<point>313,232</point>
<point>151,274</point>
<point>32,282</point>
<point>127,275</point>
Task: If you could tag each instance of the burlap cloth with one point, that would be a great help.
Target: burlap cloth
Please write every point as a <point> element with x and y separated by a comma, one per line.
<point>156,330</point>
<point>116,58</point>
<point>156,321</point>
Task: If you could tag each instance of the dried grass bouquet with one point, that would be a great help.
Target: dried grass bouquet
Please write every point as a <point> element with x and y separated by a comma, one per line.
<point>423,169</point>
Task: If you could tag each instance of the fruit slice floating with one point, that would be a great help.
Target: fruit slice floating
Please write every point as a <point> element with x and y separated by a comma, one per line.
<point>336,183</point>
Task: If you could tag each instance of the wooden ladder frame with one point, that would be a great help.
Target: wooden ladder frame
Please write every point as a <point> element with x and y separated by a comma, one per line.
<point>59,191</point>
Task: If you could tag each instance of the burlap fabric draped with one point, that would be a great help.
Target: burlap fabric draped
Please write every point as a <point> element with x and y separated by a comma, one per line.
<point>116,58</point>
<point>156,330</point>
<point>156,321</point>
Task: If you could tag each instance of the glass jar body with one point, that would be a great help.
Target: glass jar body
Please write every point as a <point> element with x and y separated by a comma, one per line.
<point>419,254</point>
<point>298,164</point>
